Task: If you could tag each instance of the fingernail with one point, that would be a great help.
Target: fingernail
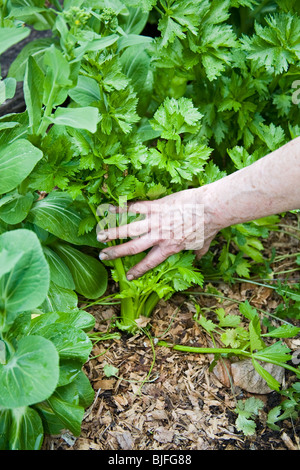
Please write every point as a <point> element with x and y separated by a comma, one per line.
<point>101,236</point>
<point>130,277</point>
<point>103,256</point>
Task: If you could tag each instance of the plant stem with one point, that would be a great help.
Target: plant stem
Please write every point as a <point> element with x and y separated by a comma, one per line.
<point>267,314</point>
<point>127,310</point>
<point>150,303</point>
<point>290,255</point>
<point>288,233</point>
<point>193,349</point>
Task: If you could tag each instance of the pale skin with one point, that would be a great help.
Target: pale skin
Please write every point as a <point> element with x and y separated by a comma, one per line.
<point>267,187</point>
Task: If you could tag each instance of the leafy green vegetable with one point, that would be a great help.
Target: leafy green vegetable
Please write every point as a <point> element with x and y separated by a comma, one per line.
<point>247,410</point>
<point>132,100</point>
<point>41,357</point>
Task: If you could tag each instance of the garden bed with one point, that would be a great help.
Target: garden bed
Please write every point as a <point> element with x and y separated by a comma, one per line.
<point>140,101</point>
<point>181,405</point>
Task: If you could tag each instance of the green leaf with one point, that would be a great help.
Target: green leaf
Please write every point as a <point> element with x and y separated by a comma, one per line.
<point>70,414</point>
<point>277,352</point>
<point>227,320</point>
<point>34,49</point>
<point>59,299</point>
<point>16,209</point>
<point>110,371</point>
<point>26,285</point>
<point>7,89</point>
<point>276,45</point>
<point>85,390</point>
<point>70,343</point>
<point>57,81</point>
<point>256,342</point>
<point>272,383</point>
<point>33,93</point>
<point>86,91</point>
<point>79,118</point>
<point>97,44</point>
<point>26,431</point>
<point>59,271</point>
<point>17,160</point>
<point>11,36</point>
<point>247,410</point>
<point>248,311</point>
<point>284,331</point>
<point>89,274</point>
<point>58,214</point>
<point>208,325</point>
<point>5,423</point>
<point>273,417</point>
<point>77,319</point>
<point>31,374</point>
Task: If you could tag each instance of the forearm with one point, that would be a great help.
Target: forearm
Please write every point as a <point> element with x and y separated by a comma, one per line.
<point>269,186</point>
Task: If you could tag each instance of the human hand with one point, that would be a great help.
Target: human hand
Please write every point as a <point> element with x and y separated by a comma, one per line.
<point>171,224</point>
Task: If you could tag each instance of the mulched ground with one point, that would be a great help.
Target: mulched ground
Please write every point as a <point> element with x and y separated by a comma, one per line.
<point>169,400</point>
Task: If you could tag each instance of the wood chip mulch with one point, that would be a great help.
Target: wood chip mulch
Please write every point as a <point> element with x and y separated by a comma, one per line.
<point>170,400</point>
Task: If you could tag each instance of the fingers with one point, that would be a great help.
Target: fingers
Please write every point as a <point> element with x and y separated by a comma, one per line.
<point>156,256</point>
<point>134,229</point>
<point>133,247</point>
<point>140,207</point>
<point>204,249</point>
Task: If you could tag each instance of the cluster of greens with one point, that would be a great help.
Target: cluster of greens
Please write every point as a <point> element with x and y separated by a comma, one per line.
<point>137,100</point>
<point>43,387</point>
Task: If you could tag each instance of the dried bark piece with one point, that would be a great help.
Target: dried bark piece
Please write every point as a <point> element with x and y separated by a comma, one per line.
<point>163,435</point>
<point>245,376</point>
<point>222,371</point>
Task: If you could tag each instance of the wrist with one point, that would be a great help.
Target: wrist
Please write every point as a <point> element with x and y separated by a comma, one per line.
<point>215,217</point>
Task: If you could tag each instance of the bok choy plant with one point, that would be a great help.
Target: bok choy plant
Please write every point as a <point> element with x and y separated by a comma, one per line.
<point>43,387</point>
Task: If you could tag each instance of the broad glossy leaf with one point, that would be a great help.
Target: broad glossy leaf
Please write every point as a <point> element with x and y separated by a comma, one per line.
<point>135,22</point>
<point>17,160</point>
<point>34,49</point>
<point>85,390</point>
<point>26,284</point>
<point>80,118</point>
<point>59,271</point>
<point>68,371</point>
<point>16,209</point>
<point>64,403</point>
<point>5,423</point>
<point>78,319</point>
<point>8,260</point>
<point>57,214</point>
<point>26,431</point>
<point>57,75</point>
<point>59,299</point>
<point>13,127</point>
<point>33,93</point>
<point>86,91</point>
<point>89,274</point>
<point>7,89</point>
<point>11,36</point>
<point>31,374</point>
<point>71,343</point>
<point>95,45</point>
